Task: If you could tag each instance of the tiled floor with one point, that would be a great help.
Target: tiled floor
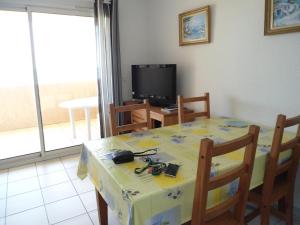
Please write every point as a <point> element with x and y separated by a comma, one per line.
<point>49,192</point>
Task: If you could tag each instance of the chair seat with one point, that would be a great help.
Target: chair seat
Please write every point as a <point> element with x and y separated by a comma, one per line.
<point>225,219</point>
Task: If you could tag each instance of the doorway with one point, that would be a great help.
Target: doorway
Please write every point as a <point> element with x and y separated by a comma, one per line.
<point>48,85</point>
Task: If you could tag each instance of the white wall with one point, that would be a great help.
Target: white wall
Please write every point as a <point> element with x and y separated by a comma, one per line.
<point>249,75</point>
<point>134,38</point>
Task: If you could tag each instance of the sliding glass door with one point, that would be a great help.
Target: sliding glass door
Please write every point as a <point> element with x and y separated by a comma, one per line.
<point>19,133</point>
<point>66,72</point>
<point>48,83</point>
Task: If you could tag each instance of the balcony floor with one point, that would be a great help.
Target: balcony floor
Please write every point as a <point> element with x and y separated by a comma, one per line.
<point>25,141</point>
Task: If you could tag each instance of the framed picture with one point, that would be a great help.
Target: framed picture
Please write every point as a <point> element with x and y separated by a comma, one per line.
<point>194,26</point>
<point>282,16</point>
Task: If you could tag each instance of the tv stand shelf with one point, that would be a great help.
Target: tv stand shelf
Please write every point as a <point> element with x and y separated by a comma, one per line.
<point>166,119</point>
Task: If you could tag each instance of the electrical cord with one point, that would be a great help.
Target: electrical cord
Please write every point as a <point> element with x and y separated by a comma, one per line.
<point>140,154</point>
<point>157,167</point>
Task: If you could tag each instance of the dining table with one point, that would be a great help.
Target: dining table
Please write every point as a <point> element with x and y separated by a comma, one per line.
<point>146,199</point>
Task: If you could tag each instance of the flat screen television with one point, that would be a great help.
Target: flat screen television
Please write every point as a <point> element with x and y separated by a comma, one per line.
<point>157,83</point>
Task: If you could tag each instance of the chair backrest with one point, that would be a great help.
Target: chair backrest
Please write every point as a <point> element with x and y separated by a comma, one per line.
<point>289,167</point>
<point>115,129</point>
<point>185,116</point>
<point>204,183</point>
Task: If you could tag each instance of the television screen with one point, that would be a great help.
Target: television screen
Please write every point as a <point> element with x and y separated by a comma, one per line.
<point>154,82</point>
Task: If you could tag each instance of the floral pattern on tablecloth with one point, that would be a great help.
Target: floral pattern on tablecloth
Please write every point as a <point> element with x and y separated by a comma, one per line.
<point>161,200</point>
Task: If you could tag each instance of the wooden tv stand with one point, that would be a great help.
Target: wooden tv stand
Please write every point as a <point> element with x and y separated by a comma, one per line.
<point>166,119</point>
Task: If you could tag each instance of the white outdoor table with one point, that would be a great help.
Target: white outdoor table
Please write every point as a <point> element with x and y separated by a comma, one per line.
<point>80,103</point>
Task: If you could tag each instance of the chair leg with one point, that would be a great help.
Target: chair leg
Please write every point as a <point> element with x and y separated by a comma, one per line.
<point>289,210</point>
<point>265,215</point>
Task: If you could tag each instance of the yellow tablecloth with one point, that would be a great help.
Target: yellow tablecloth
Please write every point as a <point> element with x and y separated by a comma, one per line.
<point>155,200</point>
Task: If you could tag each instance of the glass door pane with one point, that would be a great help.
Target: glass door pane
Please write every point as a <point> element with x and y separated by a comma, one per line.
<point>19,134</point>
<point>66,71</point>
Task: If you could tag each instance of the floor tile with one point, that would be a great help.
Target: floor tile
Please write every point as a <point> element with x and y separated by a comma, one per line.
<point>297,216</point>
<point>94,217</point>
<point>22,172</point>
<point>58,192</point>
<point>83,186</point>
<point>70,161</point>
<point>3,189</point>
<point>3,176</point>
<point>23,202</point>
<point>2,207</point>
<point>79,220</point>
<point>64,209</point>
<point>22,186</point>
<point>112,219</point>
<point>53,178</point>
<point>49,166</point>
<point>256,221</point>
<point>89,200</point>
<point>36,216</point>
<point>72,172</point>
<point>2,221</point>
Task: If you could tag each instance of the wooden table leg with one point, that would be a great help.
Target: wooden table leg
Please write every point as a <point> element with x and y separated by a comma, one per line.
<point>102,209</point>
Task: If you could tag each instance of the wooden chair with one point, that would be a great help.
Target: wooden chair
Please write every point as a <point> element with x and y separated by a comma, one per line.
<point>183,117</point>
<point>115,129</point>
<point>231,211</point>
<point>279,178</point>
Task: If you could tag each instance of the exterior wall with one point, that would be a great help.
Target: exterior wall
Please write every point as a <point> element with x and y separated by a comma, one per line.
<point>18,106</point>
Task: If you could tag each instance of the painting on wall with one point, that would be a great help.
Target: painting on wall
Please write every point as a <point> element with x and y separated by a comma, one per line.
<point>194,26</point>
<point>282,16</point>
